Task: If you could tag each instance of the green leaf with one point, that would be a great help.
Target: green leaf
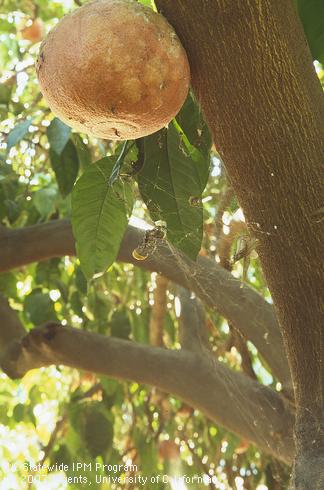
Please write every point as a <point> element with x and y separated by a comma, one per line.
<point>147,3</point>
<point>66,167</point>
<point>8,284</point>
<point>7,27</point>
<point>30,416</point>
<point>5,93</point>
<point>93,426</point>
<point>39,308</point>
<point>83,151</point>
<point>18,133</point>
<point>12,210</point>
<point>109,385</point>
<point>120,325</point>
<point>202,167</point>
<point>312,16</point>
<point>19,412</point>
<point>147,451</point>
<point>58,135</point>
<point>35,395</point>
<point>4,419</point>
<point>191,120</point>
<point>76,303</point>
<point>8,190</point>
<point>119,164</point>
<point>80,281</point>
<point>171,182</point>
<point>17,108</point>
<point>98,433</point>
<point>44,201</point>
<point>62,456</point>
<point>47,273</point>
<point>99,217</point>
<point>3,111</point>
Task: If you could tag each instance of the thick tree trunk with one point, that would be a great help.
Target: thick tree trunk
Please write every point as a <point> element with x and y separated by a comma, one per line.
<point>252,73</point>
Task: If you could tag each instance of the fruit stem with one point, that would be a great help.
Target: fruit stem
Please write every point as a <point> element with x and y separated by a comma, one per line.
<point>119,163</point>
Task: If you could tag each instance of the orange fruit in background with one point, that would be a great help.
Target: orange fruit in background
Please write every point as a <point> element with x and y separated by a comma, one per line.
<point>185,410</point>
<point>169,450</point>
<point>34,32</point>
<point>114,69</point>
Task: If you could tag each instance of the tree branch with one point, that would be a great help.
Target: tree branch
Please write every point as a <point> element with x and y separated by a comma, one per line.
<point>216,287</point>
<point>192,323</point>
<point>230,399</point>
<point>11,328</point>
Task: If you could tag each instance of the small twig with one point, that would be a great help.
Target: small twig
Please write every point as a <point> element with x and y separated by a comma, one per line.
<point>57,429</point>
<point>192,323</point>
<point>120,161</point>
<point>89,393</point>
<point>48,448</point>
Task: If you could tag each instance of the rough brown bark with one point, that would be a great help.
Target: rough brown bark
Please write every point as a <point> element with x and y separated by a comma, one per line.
<point>193,333</point>
<point>10,327</point>
<point>216,287</point>
<point>252,73</point>
<point>158,311</point>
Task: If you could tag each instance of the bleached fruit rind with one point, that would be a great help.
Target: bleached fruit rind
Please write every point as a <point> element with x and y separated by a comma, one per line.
<point>114,69</point>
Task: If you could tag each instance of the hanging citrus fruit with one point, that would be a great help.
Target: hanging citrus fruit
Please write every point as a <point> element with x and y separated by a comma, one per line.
<point>114,69</point>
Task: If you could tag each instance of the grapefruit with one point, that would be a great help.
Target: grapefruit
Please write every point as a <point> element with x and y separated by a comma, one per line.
<point>114,69</point>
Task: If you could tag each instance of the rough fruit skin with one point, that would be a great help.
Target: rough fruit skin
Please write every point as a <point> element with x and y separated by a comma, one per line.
<point>114,69</point>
